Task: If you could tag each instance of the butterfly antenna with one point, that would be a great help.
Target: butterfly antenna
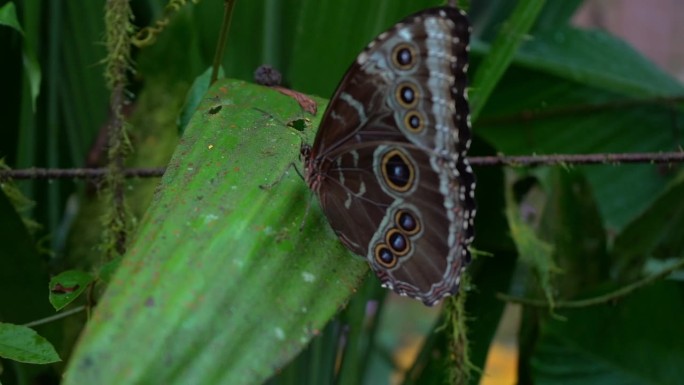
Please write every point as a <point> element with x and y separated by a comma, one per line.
<point>270,115</point>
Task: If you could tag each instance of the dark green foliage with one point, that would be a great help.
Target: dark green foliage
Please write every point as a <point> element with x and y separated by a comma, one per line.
<point>178,311</point>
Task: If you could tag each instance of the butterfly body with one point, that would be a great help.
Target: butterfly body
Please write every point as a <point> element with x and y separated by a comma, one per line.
<point>389,161</point>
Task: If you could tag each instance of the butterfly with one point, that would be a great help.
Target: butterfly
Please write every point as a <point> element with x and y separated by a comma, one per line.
<point>388,163</point>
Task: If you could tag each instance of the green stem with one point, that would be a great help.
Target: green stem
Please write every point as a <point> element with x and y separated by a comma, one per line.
<point>55,317</point>
<point>223,37</point>
<point>609,297</point>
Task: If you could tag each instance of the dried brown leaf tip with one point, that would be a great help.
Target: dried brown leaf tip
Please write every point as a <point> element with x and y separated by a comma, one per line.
<point>307,104</point>
<point>61,289</point>
<point>269,76</point>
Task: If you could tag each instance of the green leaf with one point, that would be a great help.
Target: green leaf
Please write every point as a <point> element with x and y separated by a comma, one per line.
<point>32,68</point>
<point>224,286</point>
<point>597,59</point>
<point>80,69</point>
<point>22,344</point>
<point>108,269</point>
<point>572,224</point>
<point>8,17</point>
<point>635,341</point>
<point>503,49</point>
<point>362,325</point>
<point>556,115</point>
<point>656,233</point>
<point>194,97</point>
<point>23,274</point>
<point>67,286</point>
<point>556,14</point>
<point>572,84</point>
<point>533,251</point>
<point>310,71</point>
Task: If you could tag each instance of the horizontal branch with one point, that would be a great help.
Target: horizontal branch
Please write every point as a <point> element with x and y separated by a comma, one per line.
<point>577,159</point>
<point>499,160</point>
<point>77,173</point>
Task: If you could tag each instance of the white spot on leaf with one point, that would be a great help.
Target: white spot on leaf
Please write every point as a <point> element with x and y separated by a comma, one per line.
<point>308,277</point>
<point>210,218</point>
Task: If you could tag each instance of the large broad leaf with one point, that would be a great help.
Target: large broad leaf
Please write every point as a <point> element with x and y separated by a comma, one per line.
<point>560,96</point>
<point>600,344</point>
<point>220,285</point>
<point>597,59</point>
<point>656,234</point>
<point>636,341</point>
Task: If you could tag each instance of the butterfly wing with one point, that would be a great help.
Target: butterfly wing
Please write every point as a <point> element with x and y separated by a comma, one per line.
<point>389,161</point>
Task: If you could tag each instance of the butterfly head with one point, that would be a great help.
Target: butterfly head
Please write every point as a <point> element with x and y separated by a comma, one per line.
<point>305,153</point>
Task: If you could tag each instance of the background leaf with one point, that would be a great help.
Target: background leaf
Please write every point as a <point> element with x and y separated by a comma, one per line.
<point>22,344</point>
<point>8,17</point>
<point>504,46</point>
<point>600,345</point>
<point>22,272</point>
<point>67,286</point>
<point>656,234</point>
<point>194,97</point>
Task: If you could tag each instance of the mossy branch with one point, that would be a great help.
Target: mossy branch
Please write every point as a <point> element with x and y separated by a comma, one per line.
<point>460,366</point>
<point>118,16</point>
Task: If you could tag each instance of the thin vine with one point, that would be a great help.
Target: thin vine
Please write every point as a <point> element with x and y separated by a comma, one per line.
<point>598,300</point>
<point>148,35</point>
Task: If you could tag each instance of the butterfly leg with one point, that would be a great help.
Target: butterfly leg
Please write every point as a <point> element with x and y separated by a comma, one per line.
<point>280,178</point>
<point>268,186</point>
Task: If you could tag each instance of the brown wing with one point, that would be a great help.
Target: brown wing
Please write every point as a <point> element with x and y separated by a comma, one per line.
<point>391,150</point>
